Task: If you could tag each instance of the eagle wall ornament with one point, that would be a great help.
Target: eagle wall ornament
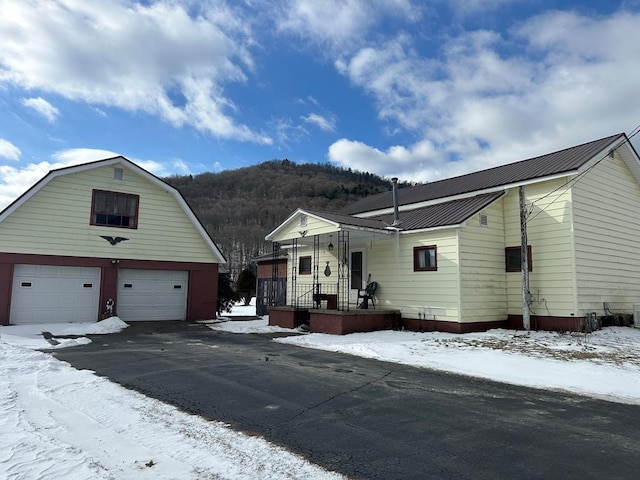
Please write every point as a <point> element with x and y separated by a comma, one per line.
<point>113,240</point>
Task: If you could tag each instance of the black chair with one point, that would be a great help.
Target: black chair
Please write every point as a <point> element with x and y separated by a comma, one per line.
<point>367,294</point>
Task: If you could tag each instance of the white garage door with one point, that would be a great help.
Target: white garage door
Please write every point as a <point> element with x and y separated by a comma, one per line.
<point>152,294</point>
<point>52,294</point>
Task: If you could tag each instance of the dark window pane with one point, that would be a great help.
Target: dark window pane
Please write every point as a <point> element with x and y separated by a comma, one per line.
<point>513,259</point>
<point>305,265</point>
<point>115,209</point>
<point>356,270</point>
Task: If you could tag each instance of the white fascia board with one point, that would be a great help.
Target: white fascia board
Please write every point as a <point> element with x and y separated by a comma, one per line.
<point>355,228</point>
<point>502,188</point>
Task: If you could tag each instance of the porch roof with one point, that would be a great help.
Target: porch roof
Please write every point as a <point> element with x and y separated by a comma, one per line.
<point>444,214</point>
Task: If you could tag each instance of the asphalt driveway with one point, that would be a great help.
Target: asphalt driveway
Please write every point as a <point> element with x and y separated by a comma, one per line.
<point>365,418</point>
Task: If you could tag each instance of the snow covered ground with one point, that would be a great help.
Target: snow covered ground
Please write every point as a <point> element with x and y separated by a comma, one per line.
<point>58,422</point>
<point>61,423</point>
<point>604,364</point>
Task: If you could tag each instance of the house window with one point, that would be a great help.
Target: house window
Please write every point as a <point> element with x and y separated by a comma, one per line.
<point>513,259</point>
<point>113,209</point>
<point>304,267</point>
<point>425,259</point>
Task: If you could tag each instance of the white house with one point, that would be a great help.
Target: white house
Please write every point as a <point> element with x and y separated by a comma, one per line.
<point>447,254</point>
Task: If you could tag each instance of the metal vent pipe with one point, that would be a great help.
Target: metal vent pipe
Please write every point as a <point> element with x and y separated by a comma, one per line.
<point>396,214</point>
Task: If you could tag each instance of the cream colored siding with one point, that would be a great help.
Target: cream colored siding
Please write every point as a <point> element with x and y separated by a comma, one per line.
<point>551,238</point>
<point>313,227</point>
<point>482,276</point>
<point>304,283</point>
<point>390,263</point>
<point>607,233</point>
<point>56,221</point>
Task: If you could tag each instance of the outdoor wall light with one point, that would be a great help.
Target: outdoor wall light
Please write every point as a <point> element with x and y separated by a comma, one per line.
<point>330,246</point>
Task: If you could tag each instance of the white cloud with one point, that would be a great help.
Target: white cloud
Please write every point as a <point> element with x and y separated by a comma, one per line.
<point>153,58</point>
<point>419,163</point>
<point>8,150</point>
<point>554,81</point>
<point>14,181</point>
<point>325,123</point>
<point>340,23</point>
<point>76,156</point>
<point>41,106</point>
<point>181,167</point>
<point>468,7</point>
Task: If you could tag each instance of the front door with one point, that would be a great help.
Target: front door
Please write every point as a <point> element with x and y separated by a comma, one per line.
<point>357,274</point>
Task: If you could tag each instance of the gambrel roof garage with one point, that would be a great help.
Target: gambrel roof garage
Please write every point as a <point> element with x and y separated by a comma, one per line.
<point>104,238</point>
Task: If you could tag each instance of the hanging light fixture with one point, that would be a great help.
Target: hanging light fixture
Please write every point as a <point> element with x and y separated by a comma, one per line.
<point>330,246</point>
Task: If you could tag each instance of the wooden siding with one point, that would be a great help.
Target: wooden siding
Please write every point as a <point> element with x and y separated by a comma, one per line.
<point>390,263</point>
<point>607,229</point>
<point>552,280</point>
<point>483,280</point>
<point>56,221</point>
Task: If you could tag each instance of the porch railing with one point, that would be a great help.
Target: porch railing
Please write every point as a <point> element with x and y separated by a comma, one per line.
<point>321,295</point>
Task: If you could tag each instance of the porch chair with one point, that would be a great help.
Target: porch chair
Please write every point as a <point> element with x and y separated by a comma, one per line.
<point>368,294</point>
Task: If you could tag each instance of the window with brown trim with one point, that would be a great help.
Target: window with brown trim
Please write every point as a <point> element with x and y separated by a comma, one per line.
<point>304,267</point>
<point>114,209</point>
<point>425,259</point>
<point>513,259</point>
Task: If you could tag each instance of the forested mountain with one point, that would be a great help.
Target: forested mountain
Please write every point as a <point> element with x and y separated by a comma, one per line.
<point>239,207</point>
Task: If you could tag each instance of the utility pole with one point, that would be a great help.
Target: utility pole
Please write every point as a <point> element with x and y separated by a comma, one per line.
<point>524,260</point>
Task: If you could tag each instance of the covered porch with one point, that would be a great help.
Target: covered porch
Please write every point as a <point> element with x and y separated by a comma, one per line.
<point>327,274</point>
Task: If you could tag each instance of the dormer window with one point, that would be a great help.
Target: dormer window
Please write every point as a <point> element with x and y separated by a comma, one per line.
<point>114,209</point>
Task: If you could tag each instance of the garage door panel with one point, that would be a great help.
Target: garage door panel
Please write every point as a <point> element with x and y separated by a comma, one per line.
<point>152,294</point>
<point>50,294</point>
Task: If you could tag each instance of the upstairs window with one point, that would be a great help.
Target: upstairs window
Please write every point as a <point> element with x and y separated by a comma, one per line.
<point>114,209</point>
<point>513,259</point>
<point>425,259</point>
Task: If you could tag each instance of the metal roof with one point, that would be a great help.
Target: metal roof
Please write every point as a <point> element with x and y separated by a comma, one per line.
<point>563,161</point>
<point>348,220</point>
<point>454,212</point>
<point>443,214</point>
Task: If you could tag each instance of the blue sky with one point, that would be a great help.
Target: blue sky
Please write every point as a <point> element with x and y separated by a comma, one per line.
<point>416,89</point>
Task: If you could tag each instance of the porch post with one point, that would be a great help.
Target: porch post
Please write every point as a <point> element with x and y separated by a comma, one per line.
<point>294,272</point>
<point>343,270</point>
